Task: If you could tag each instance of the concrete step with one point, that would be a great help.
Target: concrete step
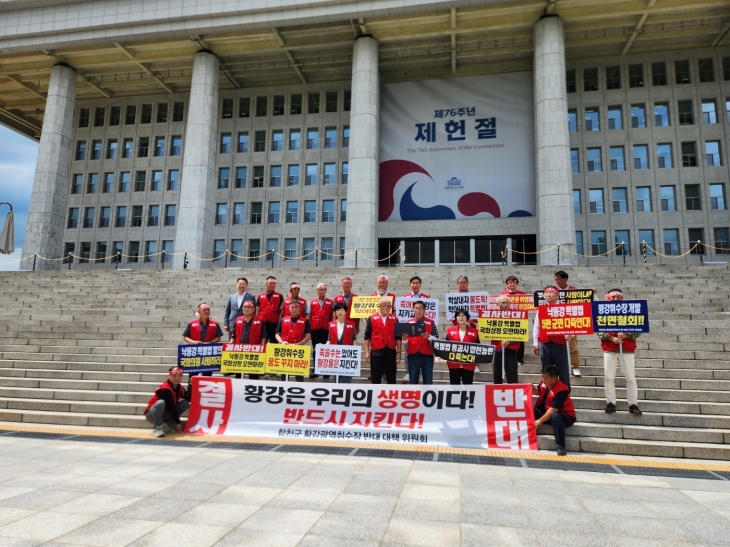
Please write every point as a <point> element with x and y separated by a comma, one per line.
<point>73,418</point>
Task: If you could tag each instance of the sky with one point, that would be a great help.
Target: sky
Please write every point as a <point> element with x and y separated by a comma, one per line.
<point>18,155</point>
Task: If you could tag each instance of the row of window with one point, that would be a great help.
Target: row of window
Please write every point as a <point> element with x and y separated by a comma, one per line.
<point>659,74</point>
<point>108,181</point>
<point>279,104</point>
<point>594,162</point>
<point>104,252</point>
<point>639,119</point>
<point>120,220</point>
<point>96,151</point>
<point>667,199</point>
<point>293,175</point>
<point>622,242</point>
<point>277,140</point>
<point>130,114</point>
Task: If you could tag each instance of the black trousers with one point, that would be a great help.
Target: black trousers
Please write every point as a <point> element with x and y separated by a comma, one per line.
<point>382,361</point>
<point>521,353</point>
<point>271,332</point>
<point>510,366</point>
<point>560,421</point>
<point>319,336</point>
<point>459,375</point>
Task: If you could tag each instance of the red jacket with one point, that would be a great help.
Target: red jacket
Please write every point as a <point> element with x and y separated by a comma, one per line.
<point>254,333</point>
<point>508,293</point>
<point>176,395</point>
<point>302,306</point>
<point>320,316</point>
<point>293,333</point>
<point>544,338</point>
<point>514,346</point>
<point>470,337</point>
<point>269,307</point>
<point>210,332</point>
<point>416,344</point>
<point>382,335</point>
<point>550,395</point>
<point>340,299</point>
<point>348,335</point>
<point>629,345</point>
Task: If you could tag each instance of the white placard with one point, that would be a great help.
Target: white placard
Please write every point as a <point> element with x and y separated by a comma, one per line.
<point>473,301</point>
<point>403,308</point>
<point>335,360</point>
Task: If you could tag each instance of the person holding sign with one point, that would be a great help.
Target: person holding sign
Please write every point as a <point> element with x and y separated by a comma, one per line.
<point>551,349</point>
<point>346,298</point>
<point>561,280</point>
<point>167,403</point>
<point>461,332</point>
<point>619,347</point>
<point>269,304</point>
<point>294,330</point>
<point>341,332</point>
<point>203,330</point>
<point>319,313</point>
<point>382,348</point>
<point>420,352</point>
<point>554,405</point>
<point>294,290</point>
<point>512,283</point>
<point>506,352</point>
<point>249,329</point>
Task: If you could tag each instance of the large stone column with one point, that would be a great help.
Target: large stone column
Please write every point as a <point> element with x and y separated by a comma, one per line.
<point>361,231</point>
<point>196,211</point>
<point>553,179</point>
<point>48,200</point>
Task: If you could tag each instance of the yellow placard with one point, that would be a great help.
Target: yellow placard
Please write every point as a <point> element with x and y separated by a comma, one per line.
<point>243,358</point>
<point>364,306</point>
<point>288,359</point>
<point>512,330</point>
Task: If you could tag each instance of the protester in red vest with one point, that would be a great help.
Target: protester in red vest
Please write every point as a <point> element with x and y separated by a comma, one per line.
<point>294,290</point>
<point>381,347</point>
<point>505,356</point>
<point>168,403</point>
<point>249,329</point>
<point>420,352</point>
<point>319,313</point>
<point>382,288</point>
<point>268,308</point>
<point>203,330</point>
<point>551,349</point>
<point>346,298</point>
<point>341,332</point>
<point>512,282</point>
<point>294,330</point>
<point>611,342</point>
<point>561,281</point>
<point>461,332</point>
<point>554,406</point>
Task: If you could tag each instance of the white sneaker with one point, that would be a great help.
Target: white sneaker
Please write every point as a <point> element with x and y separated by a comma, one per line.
<point>476,369</point>
<point>159,432</point>
<point>576,372</point>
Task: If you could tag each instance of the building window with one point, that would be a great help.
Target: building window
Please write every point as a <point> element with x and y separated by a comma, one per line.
<point>712,151</point>
<point>170,213</point>
<point>290,248</point>
<point>330,137</point>
<point>659,73</point>
<point>128,150</point>
<point>617,158</point>
<point>722,246</point>
<point>328,210</point>
<point>622,242</point>
<point>274,212</point>
<point>726,68</point>
<point>296,103</point>
<point>709,111</point>
<point>717,197</point>
<point>100,252</point>
<point>84,114</point>
<point>620,199</point>
<point>636,75</point>
<point>153,216</point>
<point>311,177</point>
<point>643,199</point>
<point>692,195</point>
<point>262,106</point>
<point>689,154</point>
<point>681,72</point>
<point>598,242</point>
<point>421,252</point>
<point>664,156</point>
<point>570,82</point>
<point>243,142</point>
<point>150,250</point>
<point>345,169</point>
<point>590,79</point>
<point>227,110</point>
<point>146,114</point>
<point>327,250</point>
<point>292,212</point>
<point>77,183</point>
<point>73,218</point>
<point>454,251</point>
<point>99,115</point>
<point>346,136</point>
<point>95,150</point>
<point>686,114</point>
<point>140,180</point>
<point>594,160</point>
<point>572,121</point>
<point>342,244</point>
<point>219,250</point>
<point>308,250</point>
<point>706,70</point>
<point>178,113</point>
<point>159,146</point>
<point>696,237</point>
<point>92,185</point>
<point>579,243</point>
<point>221,213</point>
<point>661,114</point>
<point>638,116</point>
<point>310,211</point>
<point>292,176</point>
<point>121,221</point>
<point>576,203</point>
<point>239,213</point>
<point>80,150</point>
<point>144,147</point>
<point>124,181</point>
<point>592,119</point>
<point>574,161</point>
<point>641,156</point>
<point>277,141</point>
<point>272,248</point>
<point>313,103</point>
<point>131,114</point>
<point>115,115</point>
<point>595,201</point>
<point>254,249</point>
<point>615,119</point>
<point>176,145</point>
<point>647,237</point>
<point>173,177</point>
<point>613,77</point>
<point>240,178</point>
<point>727,109</point>
<point>259,143</point>
<point>671,242</point>
<point>330,174</point>
<point>258,176</point>
<point>225,143</point>
<point>347,99</point>
<point>137,211</point>
<point>256,212</point>
<point>244,107</point>
<point>278,105</point>
<point>666,194</point>
<point>85,253</point>
<point>162,113</point>
<point>331,101</point>
<point>156,181</point>
<point>111,149</point>
<point>343,210</point>
<point>312,139</point>
<point>295,139</point>
<point>108,183</point>
<point>275,179</point>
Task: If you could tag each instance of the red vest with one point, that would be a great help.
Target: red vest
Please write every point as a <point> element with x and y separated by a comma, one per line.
<point>629,345</point>
<point>269,307</point>
<point>210,332</point>
<point>176,395</point>
<point>321,316</point>
<point>348,335</point>
<point>382,336</point>
<point>416,344</point>
<point>293,334</point>
<point>551,393</point>
<point>340,299</point>
<point>471,337</point>
<point>498,345</point>
<point>302,306</point>
<point>390,294</point>
<point>254,332</point>
<point>508,293</point>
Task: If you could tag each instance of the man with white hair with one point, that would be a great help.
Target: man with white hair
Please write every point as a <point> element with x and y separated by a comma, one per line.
<point>382,348</point>
<point>382,288</point>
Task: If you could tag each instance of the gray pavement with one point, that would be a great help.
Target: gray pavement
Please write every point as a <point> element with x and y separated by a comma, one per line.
<point>60,492</point>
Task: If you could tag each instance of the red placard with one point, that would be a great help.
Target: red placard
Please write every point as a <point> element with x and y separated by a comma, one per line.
<point>210,405</point>
<point>568,319</point>
<point>522,302</point>
<point>510,417</point>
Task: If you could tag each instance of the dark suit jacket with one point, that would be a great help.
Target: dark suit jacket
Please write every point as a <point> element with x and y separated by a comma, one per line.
<point>233,312</point>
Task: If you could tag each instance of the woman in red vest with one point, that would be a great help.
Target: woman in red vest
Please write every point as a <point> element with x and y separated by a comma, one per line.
<point>341,332</point>
<point>461,332</point>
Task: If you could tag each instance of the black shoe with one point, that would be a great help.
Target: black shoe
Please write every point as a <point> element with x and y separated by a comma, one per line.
<point>313,375</point>
<point>610,408</point>
<point>561,451</point>
<point>635,410</point>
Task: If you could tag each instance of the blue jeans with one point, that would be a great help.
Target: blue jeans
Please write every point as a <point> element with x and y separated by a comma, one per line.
<point>420,364</point>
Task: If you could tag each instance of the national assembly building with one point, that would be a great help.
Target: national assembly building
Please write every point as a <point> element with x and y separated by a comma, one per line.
<point>206,134</point>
